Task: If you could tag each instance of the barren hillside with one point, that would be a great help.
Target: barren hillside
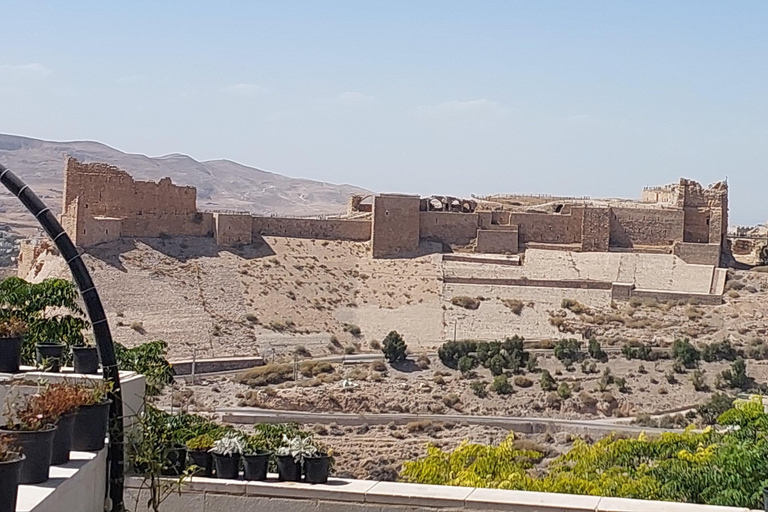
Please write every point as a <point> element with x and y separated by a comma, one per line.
<point>282,293</point>
<point>221,184</point>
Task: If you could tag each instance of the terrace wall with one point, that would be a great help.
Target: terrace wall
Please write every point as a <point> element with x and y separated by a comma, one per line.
<point>322,229</point>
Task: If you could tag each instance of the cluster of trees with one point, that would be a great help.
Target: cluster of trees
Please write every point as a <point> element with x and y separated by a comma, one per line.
<point>497,356</point>
<point>725,467</point>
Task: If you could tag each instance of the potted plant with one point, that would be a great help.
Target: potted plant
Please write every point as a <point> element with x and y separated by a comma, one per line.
<point>198,449</point>
<point>92,417</point>
<point>61,400</point>
<point>290,457</point>
<point>85,358</point>
<point>11,461</point>
<point>226,455</point>
<point>12,331</point>
<point>49,356</point>
<point>318,466</point>
<point>255,459</point>
<point>31,427</point>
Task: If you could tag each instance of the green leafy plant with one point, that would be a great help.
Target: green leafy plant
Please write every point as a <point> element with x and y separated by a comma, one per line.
<point>736,376</point>
<point>479,388</point>
<point>596,351</point>
<point>229,445</point>
<point>501,385</point>
<point>148,359</point>
<point>685,353</point>
<point>568,351</point>
<point>297,447</point>
<point>49,309</point>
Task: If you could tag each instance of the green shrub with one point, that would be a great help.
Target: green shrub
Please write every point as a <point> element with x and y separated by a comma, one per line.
<point>568,351</point>
<point>149,360</point>
<point>563,391</point>
<point>687,354</point>
<point>736,376</point>
<point>596,351</point>
<point>722,351</point>
<point>479,388</point>
<point>394,348</point>
<point>501,386</point>
<point>574,306</point>
<point>467,364</point>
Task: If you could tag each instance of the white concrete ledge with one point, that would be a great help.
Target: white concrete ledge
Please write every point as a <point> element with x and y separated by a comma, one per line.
<point>77,486</point>
<point>342,495</point>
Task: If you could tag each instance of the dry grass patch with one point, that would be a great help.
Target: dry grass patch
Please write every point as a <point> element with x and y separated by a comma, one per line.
<point>515,305</point>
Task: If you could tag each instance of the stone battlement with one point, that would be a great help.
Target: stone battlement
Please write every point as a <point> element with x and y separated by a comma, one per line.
<point>103,203</point>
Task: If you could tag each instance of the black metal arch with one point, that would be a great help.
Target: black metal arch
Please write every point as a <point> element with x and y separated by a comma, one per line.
<point>95,310</point>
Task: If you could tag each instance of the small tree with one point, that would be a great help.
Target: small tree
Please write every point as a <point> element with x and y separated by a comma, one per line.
<point>736,376</point>
<point>687,354</point>
<point>394,348</point>
<point>567,351</point>
<point>547,382</point>
<point>596,351</point>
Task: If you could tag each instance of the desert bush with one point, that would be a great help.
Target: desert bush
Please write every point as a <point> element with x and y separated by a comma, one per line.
<point>698,381</point>
<point>641,351</point>
<point>736,376</point>
<point>720,351</point>
<point>621,384</point>
<point>438,379</point>
<point>478,387</point>
<point>574,306</point>
<point>671,378</point>
<point>251,318</point>
<point>563,391</point>
<point>514,304</point>
<point>547,382</point>
<point>466,302</point>
<point>711,410</point>
<point>501,386</point>
<point>350,349</point>
<point>302,351</point>
<point>533,364</point>
<point>523,382</point>
<point>374,344</point>
<point>568,351</point>
<point>694,313</point>
<point>378,366</point>
<point>266,375</point>
<point>423,426</point>
<point>352,329</point>
<point>394,347</point>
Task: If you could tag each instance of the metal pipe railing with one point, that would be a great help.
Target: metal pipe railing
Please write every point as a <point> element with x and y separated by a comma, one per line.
<point>101,332</point>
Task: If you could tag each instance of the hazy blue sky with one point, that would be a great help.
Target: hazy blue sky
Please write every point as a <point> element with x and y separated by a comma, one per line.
<point>585,98</point>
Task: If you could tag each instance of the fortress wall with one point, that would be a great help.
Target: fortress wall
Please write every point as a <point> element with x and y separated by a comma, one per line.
<point>500,241</point>
<point>323,229</point>
<point>698,254</point>
<point>548,228</point>
<point>596,229</point>
<point>233,229</point>
<point>105,190</point>
<point>396,225</point>
<point>448,227</point>
<point>635,226</point>
<point>196,224</point>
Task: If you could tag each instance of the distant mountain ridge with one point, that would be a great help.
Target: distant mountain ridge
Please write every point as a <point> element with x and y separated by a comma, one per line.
<point>221,184</point>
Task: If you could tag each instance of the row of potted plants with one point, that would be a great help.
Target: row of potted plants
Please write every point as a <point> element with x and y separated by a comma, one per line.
<point>42,428</point>
<point>49,355</point>
<point>39,323</point>
<point>225,456</point>
<point>187,444</point>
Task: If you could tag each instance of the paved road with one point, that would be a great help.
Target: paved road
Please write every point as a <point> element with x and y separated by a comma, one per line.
<point>249,415</point>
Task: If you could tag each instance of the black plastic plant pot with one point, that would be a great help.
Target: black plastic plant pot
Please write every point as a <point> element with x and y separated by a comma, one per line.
<point>204,462</point>
<point>62,440</point>
<point>765,499</point>
<point>316,469</point>
<point>37,447</point>
<point>255,465</point>
<point>91,424</point>
<point>227,466</point>
<point>10,473</point>
<point>86,360</point>
<point>50,355</point>
<point>175,461</point>
<point>10,354</point>
<point>288,469</point>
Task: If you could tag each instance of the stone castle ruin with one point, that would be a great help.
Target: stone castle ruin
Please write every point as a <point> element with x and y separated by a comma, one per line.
<point>102,203</point>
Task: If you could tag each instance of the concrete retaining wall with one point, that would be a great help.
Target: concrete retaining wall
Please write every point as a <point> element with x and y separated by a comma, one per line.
<point>340,495</point>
